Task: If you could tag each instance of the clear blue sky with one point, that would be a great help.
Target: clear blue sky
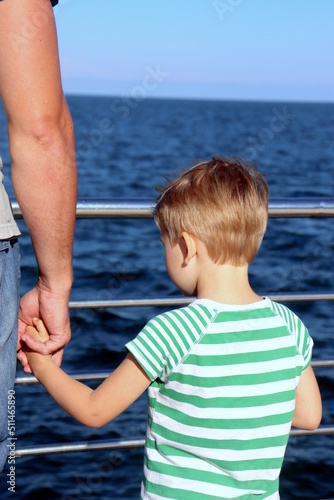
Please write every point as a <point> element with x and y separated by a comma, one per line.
<point>225,49</point>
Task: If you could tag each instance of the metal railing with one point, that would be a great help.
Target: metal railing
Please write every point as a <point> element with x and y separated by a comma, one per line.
<point>142,209</point>
<point>135,443</point>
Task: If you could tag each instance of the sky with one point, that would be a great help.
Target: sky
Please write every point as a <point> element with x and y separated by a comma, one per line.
<point>206,49</point>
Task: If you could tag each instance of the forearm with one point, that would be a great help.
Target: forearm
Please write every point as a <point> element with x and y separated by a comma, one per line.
<point>73,396</point>
<point>45,185</point>
<point>92,408</point>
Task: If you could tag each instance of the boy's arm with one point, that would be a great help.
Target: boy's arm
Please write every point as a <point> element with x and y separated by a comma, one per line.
<point>308,410</point>
<point>93,408</point>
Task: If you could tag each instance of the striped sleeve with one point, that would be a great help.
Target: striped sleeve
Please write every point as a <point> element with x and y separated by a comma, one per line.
<point>304,342</point>
<point>167,339</point>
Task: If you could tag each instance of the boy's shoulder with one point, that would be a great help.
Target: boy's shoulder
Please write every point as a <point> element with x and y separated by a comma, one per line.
<point>206,311</point>
<point>197,316</point>
<point>290,318</point>
<point>194,316</point>
<point>167,338</point>
<point>296,327</point>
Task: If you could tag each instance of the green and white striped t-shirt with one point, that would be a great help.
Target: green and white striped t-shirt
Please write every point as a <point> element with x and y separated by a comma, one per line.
<point>222,398</point>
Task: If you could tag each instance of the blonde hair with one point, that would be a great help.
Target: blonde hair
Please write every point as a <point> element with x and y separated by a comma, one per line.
<point>223,202</point>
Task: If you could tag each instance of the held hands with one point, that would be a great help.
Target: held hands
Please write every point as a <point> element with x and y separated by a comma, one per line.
<point>52,307</point>
<point>38,332</point>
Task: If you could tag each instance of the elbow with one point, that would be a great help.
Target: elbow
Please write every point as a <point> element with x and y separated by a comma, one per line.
<point>96,424</point>
<point>92,424</point>
<point>309,422</point>
<point>314,422</point>
<point>312,425</point>
<point>93,412</point>
<point>316,416</point>
<point>49,132</point>
<point>54,137</point>
<point>93,420</point>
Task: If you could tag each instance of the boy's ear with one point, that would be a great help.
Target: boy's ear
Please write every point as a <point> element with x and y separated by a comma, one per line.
<point>190,246</point>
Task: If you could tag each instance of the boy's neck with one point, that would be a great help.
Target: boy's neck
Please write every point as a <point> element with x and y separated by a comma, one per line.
<point>226,284</point>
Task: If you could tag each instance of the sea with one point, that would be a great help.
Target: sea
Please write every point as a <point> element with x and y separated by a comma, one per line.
<point>126,146</point>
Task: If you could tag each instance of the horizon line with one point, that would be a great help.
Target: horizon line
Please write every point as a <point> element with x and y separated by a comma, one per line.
<point>194,98</point>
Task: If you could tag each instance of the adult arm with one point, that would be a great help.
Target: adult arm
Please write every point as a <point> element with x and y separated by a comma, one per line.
<point>41,143</point>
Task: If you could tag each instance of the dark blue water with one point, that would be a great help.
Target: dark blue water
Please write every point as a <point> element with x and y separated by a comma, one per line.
<point>124,149</point>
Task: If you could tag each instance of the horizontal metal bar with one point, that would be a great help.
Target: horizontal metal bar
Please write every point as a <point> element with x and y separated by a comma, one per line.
<point>182,301</point>
<point>321,431</point>
<point>322,363</point>
<point>119,208</point>
<point>74,447</point>
<point>102,208</point>
<point>29,379</point>
<point>302,297</point>
<point>137,443</point>
<point>301,207</point>
<point>105,304</point>
<point>83,377</point>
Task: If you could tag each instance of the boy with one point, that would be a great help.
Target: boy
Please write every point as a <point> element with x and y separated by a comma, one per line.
<point>227,375</point>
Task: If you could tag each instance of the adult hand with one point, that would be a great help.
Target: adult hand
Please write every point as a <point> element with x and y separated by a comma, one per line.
<point>52,307</point>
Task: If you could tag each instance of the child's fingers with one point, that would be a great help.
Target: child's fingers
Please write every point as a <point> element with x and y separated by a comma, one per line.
<point>40,325</point>
<point>30,330</point>
<point>40,346</point>
<point>39,333</point>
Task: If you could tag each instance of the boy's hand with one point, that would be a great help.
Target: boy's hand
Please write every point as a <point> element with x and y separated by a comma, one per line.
<point>52,308</point>
<point>38,332</point>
